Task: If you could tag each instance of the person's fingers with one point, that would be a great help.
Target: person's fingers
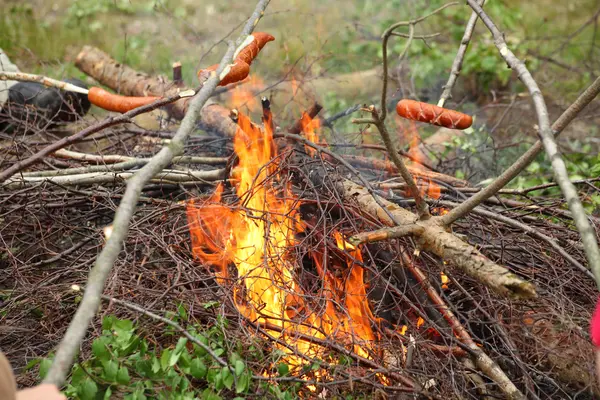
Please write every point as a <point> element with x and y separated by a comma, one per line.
<point>45,391</point>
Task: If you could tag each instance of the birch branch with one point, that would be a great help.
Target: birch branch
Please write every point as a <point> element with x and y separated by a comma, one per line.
<point>94,178</point>
<point>561,175</point>
<point>98,275</point>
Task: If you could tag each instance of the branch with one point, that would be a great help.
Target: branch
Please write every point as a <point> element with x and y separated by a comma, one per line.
<point>460,56</point>
<point>105,261</point>
<point>559,125</point>
<point>385,37</point>
<point>379,119</point>
<point>436,239</point>
<point>385,234</point>
<point>49,82</point>
<point>561,175</point>
<point>93,178</point>
<point>117,158</point>
<point>413,190</point>
<point>529,230</point>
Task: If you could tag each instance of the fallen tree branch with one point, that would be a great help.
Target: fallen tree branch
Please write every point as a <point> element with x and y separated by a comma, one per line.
<point>117,158</point>
<point>529,230</point>
<point>48,82</point>
<point>105,261</point>
<point>435,238</point>
<point>117,76</point>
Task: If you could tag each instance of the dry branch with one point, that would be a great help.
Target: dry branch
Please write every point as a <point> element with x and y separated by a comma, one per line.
<point>438,240</point>
<point>95,178</point>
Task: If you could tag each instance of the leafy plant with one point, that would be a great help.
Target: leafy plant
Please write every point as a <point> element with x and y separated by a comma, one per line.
<point>123,361</point>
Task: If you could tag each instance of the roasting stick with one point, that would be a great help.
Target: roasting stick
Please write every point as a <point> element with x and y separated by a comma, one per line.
<point>97,96</point>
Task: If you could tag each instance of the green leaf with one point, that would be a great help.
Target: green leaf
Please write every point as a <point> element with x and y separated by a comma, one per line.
<point>208,394</point>
<point>155,364</point>
<point>44,367</point>
<point>227,376</point>
<point>182,312</point>
<point>99,349</point>
<point>239,367</point>
<point>283,369</point>
<point>198,368</point>
<point>32,363</point>
<point>144,368</point>
<point>181,344</point>
<point>123,376</point>
<point>218,380</point>
<point>179,349</point>
<point>210,304</point>
<point>243,383</point>
<point>164,359</point>
<point>87,390</point>
<point>110,369</point>
<point>108,393</point>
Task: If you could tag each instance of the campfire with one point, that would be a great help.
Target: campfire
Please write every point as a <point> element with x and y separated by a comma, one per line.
<point>252,247</point>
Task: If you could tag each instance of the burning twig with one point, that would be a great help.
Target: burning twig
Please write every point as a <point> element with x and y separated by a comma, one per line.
<point>91,299</point>
<point>312,112</point>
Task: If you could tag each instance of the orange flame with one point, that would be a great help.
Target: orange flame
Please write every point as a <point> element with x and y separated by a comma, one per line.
<point>309,128</point>
<point>256,237</point>
<point>426,186</point>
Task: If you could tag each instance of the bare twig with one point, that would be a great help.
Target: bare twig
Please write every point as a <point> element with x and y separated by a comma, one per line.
<point>117,158</point>
<point>422,207</point>
<point>385,37</point>
<point>94,178</point>
<point>105,261</point>
<point>378,118</point>
<point>561,175</point>
<point>49,82</point>
<point>460,56</point>
<point>385,234</point>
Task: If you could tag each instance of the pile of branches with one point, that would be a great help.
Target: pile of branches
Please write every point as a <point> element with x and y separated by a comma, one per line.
<point>510,322</point>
